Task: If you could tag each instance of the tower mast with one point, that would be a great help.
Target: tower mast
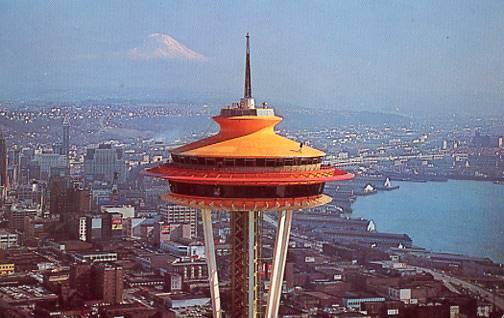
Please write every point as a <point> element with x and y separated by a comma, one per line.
<point>248,83</point>
<point>247,102</point>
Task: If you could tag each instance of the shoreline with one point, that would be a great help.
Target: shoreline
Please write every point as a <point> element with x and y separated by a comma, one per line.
<point>415,238</point>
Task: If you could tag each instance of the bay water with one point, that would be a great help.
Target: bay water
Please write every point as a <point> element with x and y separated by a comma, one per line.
<point>459,216</point>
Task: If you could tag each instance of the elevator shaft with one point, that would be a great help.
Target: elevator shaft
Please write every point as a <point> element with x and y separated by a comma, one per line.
<point>246,228</point>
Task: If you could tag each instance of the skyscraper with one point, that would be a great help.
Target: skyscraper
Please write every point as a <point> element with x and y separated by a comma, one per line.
<point>80,279</point>
<point>94,228</point>
<point>58,200</point>
<point>4,182</point>
<point>180,214</point>
<point>66,137</point>
<point>105,164</point>
<point>50,164</point>
<point>98,281</point>
<point>107,283</point>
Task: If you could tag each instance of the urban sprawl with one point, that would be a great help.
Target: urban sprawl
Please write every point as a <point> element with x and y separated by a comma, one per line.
<point>83,233</point>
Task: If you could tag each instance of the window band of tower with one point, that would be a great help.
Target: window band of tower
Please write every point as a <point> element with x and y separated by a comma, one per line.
<point>234,191</point>
<point>245,162</point>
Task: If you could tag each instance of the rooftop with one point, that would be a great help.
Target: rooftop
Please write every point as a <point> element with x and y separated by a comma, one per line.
<point>22,293</point>
<point>247,137</point>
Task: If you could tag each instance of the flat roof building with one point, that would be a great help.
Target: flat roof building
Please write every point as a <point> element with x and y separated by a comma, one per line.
<point>8,239</point>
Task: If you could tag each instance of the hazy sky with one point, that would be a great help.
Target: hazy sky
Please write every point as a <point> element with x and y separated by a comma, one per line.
<point>385,55</point>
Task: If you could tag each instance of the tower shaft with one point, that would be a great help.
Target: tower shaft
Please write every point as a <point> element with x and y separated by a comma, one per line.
<point>246,228</point>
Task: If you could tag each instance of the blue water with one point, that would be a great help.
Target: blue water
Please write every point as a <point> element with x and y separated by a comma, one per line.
<point>456,216</point>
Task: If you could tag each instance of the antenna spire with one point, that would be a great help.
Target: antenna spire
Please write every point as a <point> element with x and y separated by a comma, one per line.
<point>248,84</point>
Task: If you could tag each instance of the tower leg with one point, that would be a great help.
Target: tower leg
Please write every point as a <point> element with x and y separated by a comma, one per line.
<point>245,264</point>
<point>279,259</point>
<point>213,278</point>
<point>255,264</point>
<point>251,264</point>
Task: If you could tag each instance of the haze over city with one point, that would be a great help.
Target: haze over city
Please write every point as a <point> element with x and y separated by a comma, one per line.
<point>401,56</point>
<point>262,160</point>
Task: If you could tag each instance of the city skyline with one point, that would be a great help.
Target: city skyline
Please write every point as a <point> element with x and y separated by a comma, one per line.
<point>399,57</point>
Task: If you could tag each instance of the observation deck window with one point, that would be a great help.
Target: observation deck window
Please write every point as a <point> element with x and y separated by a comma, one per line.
<point>245,162</point>
<point>271,163</point>
<point>250,162</point>
<point>238,191</point>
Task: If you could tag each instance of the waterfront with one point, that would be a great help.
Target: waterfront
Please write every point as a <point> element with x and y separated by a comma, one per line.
<point>456,216</point>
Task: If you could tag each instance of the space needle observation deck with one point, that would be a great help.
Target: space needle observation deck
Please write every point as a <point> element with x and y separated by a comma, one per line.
<point>247,169</point>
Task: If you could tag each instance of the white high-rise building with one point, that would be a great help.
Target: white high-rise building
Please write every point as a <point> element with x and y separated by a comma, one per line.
<point>82,228</point>
<point>105,164</point>
<point>179,214</point>
<point>49,161</point>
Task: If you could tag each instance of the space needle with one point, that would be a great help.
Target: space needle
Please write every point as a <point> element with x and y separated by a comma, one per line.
<point>247,169</point>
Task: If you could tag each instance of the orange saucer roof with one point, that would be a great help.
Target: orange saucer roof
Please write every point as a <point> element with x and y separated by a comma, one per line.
<point>247,137</point>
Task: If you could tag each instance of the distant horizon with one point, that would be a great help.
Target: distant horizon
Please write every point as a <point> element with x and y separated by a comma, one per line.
<point>64,98</point>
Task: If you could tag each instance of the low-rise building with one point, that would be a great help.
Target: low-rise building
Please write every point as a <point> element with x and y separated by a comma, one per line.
<point>97,257</point>
<point>6,269</point>
<point>8,239</point>
<point>354,301</point>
